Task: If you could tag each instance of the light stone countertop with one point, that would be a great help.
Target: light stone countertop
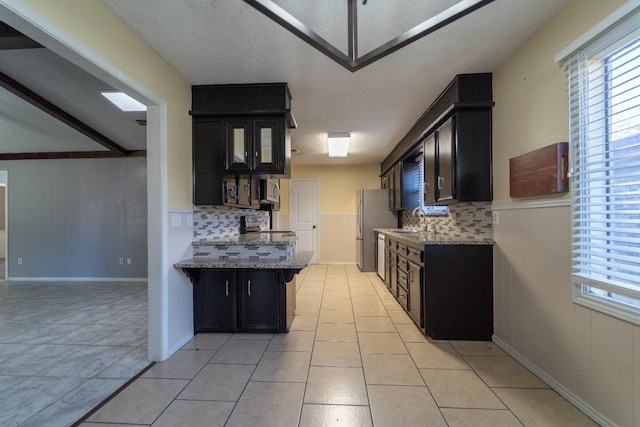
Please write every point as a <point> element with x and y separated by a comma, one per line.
<point>299,261</point>
<point>428,238</point>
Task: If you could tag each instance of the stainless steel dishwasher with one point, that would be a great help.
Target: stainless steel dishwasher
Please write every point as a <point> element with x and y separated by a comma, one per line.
<point>381,268</point>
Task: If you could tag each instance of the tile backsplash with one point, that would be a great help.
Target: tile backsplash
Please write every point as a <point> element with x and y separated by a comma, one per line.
<point>211,222</point>
<point>472,221</point>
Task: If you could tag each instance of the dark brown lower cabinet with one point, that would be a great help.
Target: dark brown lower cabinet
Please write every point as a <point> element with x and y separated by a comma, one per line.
<point>246,300</point>
<point>458,292</point>
<point>259,301</point>
<point>215,301</point>
<point>447,289</point>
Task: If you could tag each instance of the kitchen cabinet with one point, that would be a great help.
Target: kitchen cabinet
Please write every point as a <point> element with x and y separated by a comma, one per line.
<point>245,300</point>
<point>456,135</point>
<point>208,162</point>
<point>258,304</point>
<point>458,160</point>
<point>239,129</point>
<point>458,292</point>
<point>395,188</point>
<point>447,289</point>
<point>215,300</point>
<point>255,145</point>
<point>405,268</point>
<point>385,180</point>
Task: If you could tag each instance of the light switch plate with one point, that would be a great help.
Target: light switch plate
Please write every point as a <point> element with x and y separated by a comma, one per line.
<point>496,217</point>
<point>176,220</point>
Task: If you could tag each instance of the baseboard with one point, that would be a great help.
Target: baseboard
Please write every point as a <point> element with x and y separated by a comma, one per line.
<point>563,391</point>
<point>77,279</point>
<point>180,343</point>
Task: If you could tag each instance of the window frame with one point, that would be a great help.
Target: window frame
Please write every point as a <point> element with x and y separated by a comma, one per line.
<point>601,47</point>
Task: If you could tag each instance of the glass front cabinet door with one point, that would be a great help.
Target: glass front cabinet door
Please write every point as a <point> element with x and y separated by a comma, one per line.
<point>238,146</point>
<point>253,145</point>
<point>266,134</point>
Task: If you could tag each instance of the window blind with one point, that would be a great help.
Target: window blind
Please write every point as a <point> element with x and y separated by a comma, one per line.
<point>604,115</point>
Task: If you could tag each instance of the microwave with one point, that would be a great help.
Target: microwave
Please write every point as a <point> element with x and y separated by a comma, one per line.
<point>270,190</point>
<point>230,190</point>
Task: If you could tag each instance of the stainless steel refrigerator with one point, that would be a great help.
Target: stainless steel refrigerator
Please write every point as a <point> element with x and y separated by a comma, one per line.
<point>373,212</point>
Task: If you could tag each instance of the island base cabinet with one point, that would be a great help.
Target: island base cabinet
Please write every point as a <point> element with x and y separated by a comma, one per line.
<point>242,300</point>
<point>458,292</point>
<point>259,301</point>
<point>215,299</point>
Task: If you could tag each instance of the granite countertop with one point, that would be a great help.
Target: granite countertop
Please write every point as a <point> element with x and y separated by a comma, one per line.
<point>428,238</point>
<point>299,261</point>
<point>248,239</point>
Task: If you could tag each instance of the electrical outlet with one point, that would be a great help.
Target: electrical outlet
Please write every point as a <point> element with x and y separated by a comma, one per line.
<point>19,261</point>
<point>496,217</point>
<point>121,261</point>
<point>128,261</point>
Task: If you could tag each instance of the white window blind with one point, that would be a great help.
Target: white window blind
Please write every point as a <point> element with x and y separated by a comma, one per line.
<point>604,109</point>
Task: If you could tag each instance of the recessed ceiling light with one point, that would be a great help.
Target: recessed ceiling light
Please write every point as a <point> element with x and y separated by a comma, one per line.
<point>338,144</point>
<point>124,102</point>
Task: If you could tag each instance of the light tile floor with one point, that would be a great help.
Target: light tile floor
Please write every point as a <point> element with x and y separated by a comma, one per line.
<point>352,358</point>
<point>67,346</point>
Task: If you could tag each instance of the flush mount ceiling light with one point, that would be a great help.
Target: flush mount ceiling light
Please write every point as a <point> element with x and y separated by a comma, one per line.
<point>123,101</point>
<point>352,61</point>
<point>338,144</point>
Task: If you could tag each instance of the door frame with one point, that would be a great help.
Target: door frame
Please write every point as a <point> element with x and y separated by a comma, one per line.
<point>4,179</point>
<point>316,185</point>
<point>39,28</point>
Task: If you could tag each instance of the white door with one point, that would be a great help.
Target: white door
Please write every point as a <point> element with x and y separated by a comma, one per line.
<point>304,215</point>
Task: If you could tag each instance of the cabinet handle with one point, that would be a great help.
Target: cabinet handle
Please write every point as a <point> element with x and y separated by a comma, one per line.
<point>256,154</point>
<point>249,288</point>
<point>226,290</point>
<point>440,183</point>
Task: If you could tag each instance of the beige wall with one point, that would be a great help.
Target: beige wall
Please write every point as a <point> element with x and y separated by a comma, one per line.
<point>337,187</point>
<point>591,357</point>
<point>95,26</point>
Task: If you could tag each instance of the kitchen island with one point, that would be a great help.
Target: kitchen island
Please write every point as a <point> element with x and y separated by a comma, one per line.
<point>245,283</point>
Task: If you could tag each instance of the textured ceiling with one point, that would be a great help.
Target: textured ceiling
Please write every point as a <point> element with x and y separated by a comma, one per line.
<point>228,41</point>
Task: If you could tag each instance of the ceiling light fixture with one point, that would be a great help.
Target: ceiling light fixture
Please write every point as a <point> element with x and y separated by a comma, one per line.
<point>338,144</point>
<point>123,101</point>
<point>353,62</point>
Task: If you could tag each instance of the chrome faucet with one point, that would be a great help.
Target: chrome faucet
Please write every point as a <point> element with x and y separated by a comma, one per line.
<point>423,221</point>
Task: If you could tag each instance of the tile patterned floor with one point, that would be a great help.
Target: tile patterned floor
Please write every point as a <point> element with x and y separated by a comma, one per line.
<point>66,346</point>
<point>352,358</point>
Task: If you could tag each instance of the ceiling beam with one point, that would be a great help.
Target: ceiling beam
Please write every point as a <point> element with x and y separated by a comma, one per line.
<point>14,39</point>
<point>37,101</point>
<point>70,155</point>
<point>353,62</point>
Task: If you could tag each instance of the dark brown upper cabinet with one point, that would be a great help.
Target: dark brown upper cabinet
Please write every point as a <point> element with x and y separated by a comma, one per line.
<point>456,136</point>
<point>239,129</point>
<point>255,146</point>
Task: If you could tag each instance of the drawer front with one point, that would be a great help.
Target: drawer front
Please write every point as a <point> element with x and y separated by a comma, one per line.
<point>403,281</point>
<point>403,297</point>
<point>402,249</point>
<point>415,255</point>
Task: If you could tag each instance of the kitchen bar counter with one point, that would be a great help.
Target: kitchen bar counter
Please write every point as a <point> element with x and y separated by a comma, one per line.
<point>252,239</point>
<point>428,238</point>
<point>297,262</point>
